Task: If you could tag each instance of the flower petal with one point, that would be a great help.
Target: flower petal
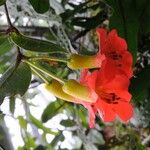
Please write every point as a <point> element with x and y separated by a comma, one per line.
<point>88,79</point>
<point>120,82</point>
<point>83,76</point>
<point>124,110</point>
<point>91,116</point>
<point>115,43</point>
<point>105,111</point>
<point>127,64</point>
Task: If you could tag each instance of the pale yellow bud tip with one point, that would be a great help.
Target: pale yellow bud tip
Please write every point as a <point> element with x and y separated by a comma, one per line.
<point>79,61</point>
<point>79,91</point>
<point>56,88</point>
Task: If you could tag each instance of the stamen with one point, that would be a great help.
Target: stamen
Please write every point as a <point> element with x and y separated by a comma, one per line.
<point>113,55</point>
<point>110,98</point>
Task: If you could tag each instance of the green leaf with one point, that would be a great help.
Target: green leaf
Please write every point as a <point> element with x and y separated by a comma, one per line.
<point>35,45</point>
<point>40,125</point>
<point>5,45</point>
<point>82,113</point>
<point>22,122</point>
<point>89,23</point>
<point>40,147</point>
<point>40,6</point>
<point>12,104</point>
<point>68,123</point>
<point>2,2</point>
<point>140,84</point>
<point>144,7</point>
<point>58,138</point>
<point>1,117</point>
<point>15,81</point>
<point>95,137</point>
<point>52,109</point>
<point>30,142</point>
<point>68,14</point>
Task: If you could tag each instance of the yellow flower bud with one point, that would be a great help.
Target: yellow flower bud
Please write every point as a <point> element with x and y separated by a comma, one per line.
<point>79,91</point>
<point>79,61</point>
<point>56,88</point>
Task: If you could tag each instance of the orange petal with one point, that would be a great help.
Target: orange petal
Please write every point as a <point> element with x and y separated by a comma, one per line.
<point>124,110</point>
<point>105,111</point>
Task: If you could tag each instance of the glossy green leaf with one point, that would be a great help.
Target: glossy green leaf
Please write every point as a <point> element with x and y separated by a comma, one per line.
<point>2,2</point>
<point>140,84</point>
<point>52,109</point>
<point>15,81</point>
<point>68,123</point>
<point>5,45</point>
<point>40,6</point>
<point>35,45</point>
<point>40,125</point>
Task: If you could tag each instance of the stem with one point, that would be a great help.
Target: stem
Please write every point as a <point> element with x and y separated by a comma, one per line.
<point>44,71</point>
<point>42,77</point>
<point>7,15</point>
<point>19,55</point>
<point>48,59</point>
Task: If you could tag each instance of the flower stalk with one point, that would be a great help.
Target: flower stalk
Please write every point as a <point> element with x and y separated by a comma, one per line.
<point>40,75</point>
<point>48,59</point>
<point>43,70</point>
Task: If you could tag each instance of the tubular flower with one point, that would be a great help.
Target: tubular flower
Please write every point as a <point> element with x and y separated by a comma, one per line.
<point>109,81</point>
<point>80,61</point>
<point>80,92</point>
<point>104,90</point>
<point>72,91</point>
<point>113,96</point>
<point>56,88</point>
<point>118,58</point>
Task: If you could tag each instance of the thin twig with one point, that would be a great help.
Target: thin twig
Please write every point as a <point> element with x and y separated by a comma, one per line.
<point>7,15</point>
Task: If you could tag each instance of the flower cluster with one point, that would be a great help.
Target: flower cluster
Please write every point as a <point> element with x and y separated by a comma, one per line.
<point>111,80</point>
<point>104,90</point>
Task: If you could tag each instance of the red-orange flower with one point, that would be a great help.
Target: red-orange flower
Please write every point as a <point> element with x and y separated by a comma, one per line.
<point>105,90</point>
<point>118,58</point>
<point>113,97</point>
<point>110,80</point>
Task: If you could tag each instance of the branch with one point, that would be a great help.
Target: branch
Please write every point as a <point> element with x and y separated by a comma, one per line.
<point>7,15</point>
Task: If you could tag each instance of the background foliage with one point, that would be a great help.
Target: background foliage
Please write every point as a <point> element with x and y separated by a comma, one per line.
<point>53,28</point>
